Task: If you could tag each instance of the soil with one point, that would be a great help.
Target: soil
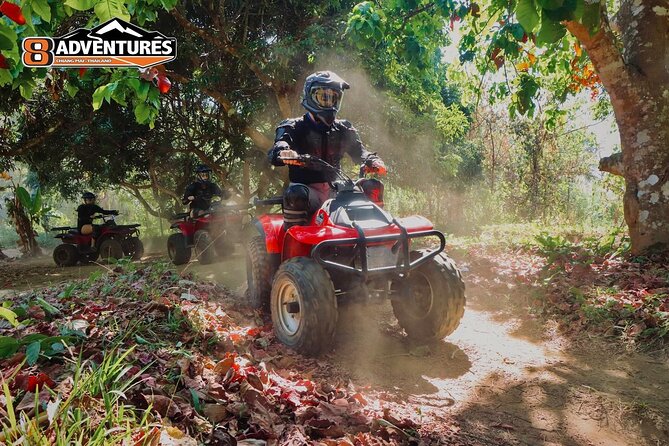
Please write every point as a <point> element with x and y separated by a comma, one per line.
<point>503,378</point>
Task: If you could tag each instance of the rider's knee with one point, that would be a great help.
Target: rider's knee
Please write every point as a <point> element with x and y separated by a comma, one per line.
<point>295,205</point>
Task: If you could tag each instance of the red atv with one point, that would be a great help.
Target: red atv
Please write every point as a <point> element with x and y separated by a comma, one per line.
<point>211,234</point>
<point>352,246</point>
<point>109,240</point>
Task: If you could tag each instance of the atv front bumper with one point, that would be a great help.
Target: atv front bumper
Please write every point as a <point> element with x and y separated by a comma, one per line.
<point>367,248</point>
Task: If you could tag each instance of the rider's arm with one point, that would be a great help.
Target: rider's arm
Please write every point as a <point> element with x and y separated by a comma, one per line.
<point>282,141</point>
<point>97,210</point>
<point>190,191</point>
<point>354,147</point>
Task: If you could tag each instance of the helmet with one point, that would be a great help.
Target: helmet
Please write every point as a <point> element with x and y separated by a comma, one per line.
<point>88,196</point>
<point>203,172</point>
<point>323,92</point>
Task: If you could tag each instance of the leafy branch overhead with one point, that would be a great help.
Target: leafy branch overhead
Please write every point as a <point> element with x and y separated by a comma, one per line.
<point>530,34</point>
<point>41,17</point>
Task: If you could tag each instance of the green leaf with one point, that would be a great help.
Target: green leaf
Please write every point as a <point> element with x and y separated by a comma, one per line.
<point>142,112</point>
<point>26,89</point>
<point>42,8</point>
<point>8,346</point>
<point>550,31</point>
<point>32,352</point>
<point>24,197</point>
<point>71,90</point>
<point>5,77</point>
<point>108,9</point>
<point>133,83</point>
<point>528,17</point>
<point>35,337</point>
<point>36,202</point>
<point>143,90</point>
<point>8,37</point>
<point>9,315</point>
<point>81,5</point>
<point>99,95</point>
<point>47,306</point>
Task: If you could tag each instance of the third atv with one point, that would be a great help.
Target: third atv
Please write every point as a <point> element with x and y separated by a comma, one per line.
<point>351,246</point>
<point>110,241</point>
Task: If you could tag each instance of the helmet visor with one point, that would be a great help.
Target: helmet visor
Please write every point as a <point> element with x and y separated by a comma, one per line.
<point>326,97</point>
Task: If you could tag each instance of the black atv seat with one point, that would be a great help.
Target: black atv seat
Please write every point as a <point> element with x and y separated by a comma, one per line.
<point>64,228</point>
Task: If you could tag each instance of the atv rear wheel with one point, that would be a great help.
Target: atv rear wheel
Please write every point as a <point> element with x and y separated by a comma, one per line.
<point>304,306</point>
<point>133,247</point>
<point>259,273</point>
<point>111,249</point>
<point>431,301</point>
<point>178,249</point>
<point>204,247</point>
<point>66,255</point>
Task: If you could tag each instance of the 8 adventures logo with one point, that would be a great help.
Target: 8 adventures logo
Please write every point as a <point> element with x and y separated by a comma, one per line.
<point>115,43</point>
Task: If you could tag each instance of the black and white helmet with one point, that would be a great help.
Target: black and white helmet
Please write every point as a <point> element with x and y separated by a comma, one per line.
<point>323,93</point>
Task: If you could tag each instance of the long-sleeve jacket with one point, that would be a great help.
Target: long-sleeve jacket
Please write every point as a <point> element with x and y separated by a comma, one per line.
<point>305,136</point>
<point>85,214</point>
<point>203,191</point>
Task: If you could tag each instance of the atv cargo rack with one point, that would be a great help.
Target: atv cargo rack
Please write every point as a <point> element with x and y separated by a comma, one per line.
<point>404,263</point>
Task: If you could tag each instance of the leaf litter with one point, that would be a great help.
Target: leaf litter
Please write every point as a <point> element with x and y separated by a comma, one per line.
<point>201,368</point>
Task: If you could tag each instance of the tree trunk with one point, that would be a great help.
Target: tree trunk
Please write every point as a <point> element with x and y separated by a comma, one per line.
<point>24,228</point>
<point>637,80</point>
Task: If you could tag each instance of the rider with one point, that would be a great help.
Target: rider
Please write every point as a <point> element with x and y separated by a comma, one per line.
<point>86,211</point>
<point>198,194</point>
<point>317,133</point>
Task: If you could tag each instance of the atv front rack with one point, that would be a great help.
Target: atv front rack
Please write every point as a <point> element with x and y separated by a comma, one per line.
<point>361,245</point>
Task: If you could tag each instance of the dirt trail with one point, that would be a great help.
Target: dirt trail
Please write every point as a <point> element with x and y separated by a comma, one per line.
<point>501,378</point>
<point>509,379</point>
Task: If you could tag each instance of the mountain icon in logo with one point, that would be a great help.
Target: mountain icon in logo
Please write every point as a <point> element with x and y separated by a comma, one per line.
<point>115,43</point>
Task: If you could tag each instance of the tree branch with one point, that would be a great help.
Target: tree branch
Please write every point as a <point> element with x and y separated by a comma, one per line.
<point>612,164</point>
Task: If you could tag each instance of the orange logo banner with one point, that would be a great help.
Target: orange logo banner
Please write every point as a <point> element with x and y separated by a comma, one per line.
<point>115,43</point>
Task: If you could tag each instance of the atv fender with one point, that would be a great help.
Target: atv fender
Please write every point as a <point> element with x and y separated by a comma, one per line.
<point>271,229</point>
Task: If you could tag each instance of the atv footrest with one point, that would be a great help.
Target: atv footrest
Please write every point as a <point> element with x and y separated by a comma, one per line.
<point>366,256</point>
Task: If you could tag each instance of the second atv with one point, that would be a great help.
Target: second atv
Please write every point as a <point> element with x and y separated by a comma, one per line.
<point>210,235</point>
<point>109,241</point>
<point>351,246</point>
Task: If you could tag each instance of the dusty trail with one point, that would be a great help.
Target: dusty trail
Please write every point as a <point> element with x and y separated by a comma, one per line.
<point>501,378</point>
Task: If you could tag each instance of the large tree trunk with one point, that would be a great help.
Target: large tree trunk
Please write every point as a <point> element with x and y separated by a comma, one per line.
<point>637,80</point>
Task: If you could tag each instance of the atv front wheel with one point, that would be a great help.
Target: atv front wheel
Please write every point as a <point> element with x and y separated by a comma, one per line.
<point>111,249</point>
<point>90,256</point>
<point>259,272</point>
<point>431,301</point>
<point>66,255</point>
<point>304,306</point>
<point>178,249</point>
<point>204,247</point>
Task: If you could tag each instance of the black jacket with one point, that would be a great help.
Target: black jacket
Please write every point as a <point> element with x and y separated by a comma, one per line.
<point>203,191</point>
<point>305,136</point>
<point>85,213</point>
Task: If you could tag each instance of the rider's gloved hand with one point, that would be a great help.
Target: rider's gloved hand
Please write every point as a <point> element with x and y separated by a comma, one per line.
<point>288,153</point>
<point>376,166</point>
